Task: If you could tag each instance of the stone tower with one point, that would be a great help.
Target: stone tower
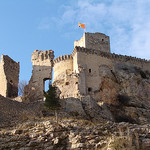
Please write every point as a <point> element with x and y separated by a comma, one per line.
<point>98,41</point>
<point>42,62</point>
<point>9,77</point>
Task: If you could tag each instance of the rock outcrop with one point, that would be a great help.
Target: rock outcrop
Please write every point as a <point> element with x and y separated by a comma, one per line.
<point>126,92</point>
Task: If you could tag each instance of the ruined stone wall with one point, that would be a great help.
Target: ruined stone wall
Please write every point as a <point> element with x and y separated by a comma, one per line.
<point>81,42</point>
<point>42,62</point>
<point>98,41</point>
<point>9,77</point>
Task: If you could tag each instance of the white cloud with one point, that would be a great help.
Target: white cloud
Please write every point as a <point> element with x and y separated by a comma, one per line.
<point>45,24</point>
<point>127,22</point>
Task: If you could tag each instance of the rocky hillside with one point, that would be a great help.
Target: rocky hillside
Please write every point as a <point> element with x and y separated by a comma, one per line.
<point>13,111</point>
<point>72,134</point>
<point>126,92</point>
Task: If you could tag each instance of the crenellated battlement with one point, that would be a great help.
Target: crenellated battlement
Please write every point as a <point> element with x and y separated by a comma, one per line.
<point>114,56</point>
<point>62,58</point>
<point>42,55</point>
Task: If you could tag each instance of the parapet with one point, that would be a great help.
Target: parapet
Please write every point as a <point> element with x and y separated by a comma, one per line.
<point>38,56</point>
<point>62,58</point>
<point>109,55</point>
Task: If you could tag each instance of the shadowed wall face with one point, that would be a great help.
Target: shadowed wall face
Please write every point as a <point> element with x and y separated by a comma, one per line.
<point>9,77</point>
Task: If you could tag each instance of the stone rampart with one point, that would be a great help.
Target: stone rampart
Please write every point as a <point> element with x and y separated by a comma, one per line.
<point>62,58</point>
<point>113,56</point>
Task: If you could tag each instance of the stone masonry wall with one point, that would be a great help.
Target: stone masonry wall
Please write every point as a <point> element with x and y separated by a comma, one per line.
<point>9,77</point>
<point>98,41</point>
<point>42,62</point>
<point>81,42</point>
<point>89,62</point>
<point>62,65</point>
<point>64,78</point>
<point>82,69</point>
<point>142,63</point>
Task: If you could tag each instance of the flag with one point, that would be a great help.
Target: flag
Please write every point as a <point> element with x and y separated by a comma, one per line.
<point>81,25</point>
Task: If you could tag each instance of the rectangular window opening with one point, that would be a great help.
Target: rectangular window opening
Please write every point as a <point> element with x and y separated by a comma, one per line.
<point>89,89</point>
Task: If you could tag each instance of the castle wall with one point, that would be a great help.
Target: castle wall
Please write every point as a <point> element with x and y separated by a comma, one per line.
<point>62,65</point>
<point>97,41</point>
<point>75,64</point>
<point>90,61</point>
<point>9,77</point>
<point>64,78</point>
<point>42,62</point>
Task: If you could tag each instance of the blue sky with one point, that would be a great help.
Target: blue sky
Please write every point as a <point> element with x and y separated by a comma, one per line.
<point>26,25</point>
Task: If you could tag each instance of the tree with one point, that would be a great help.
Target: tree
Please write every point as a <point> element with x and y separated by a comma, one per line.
<point>21,86</point>
<point>52,100</point>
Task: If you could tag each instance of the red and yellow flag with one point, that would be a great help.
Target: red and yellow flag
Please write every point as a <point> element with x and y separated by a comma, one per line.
<point>81,25</point>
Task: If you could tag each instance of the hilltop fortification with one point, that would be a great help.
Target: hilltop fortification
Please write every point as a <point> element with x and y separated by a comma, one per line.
<point>79,74</point>
<point>82,72</point>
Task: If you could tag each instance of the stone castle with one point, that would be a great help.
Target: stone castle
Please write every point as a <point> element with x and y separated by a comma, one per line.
<point>77,74</point>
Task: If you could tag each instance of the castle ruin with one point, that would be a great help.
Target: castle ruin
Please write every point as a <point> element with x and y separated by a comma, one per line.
<point>42,62</point>
<point>80,73</point>
<point>9,77</point>
<point>76,75</point>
